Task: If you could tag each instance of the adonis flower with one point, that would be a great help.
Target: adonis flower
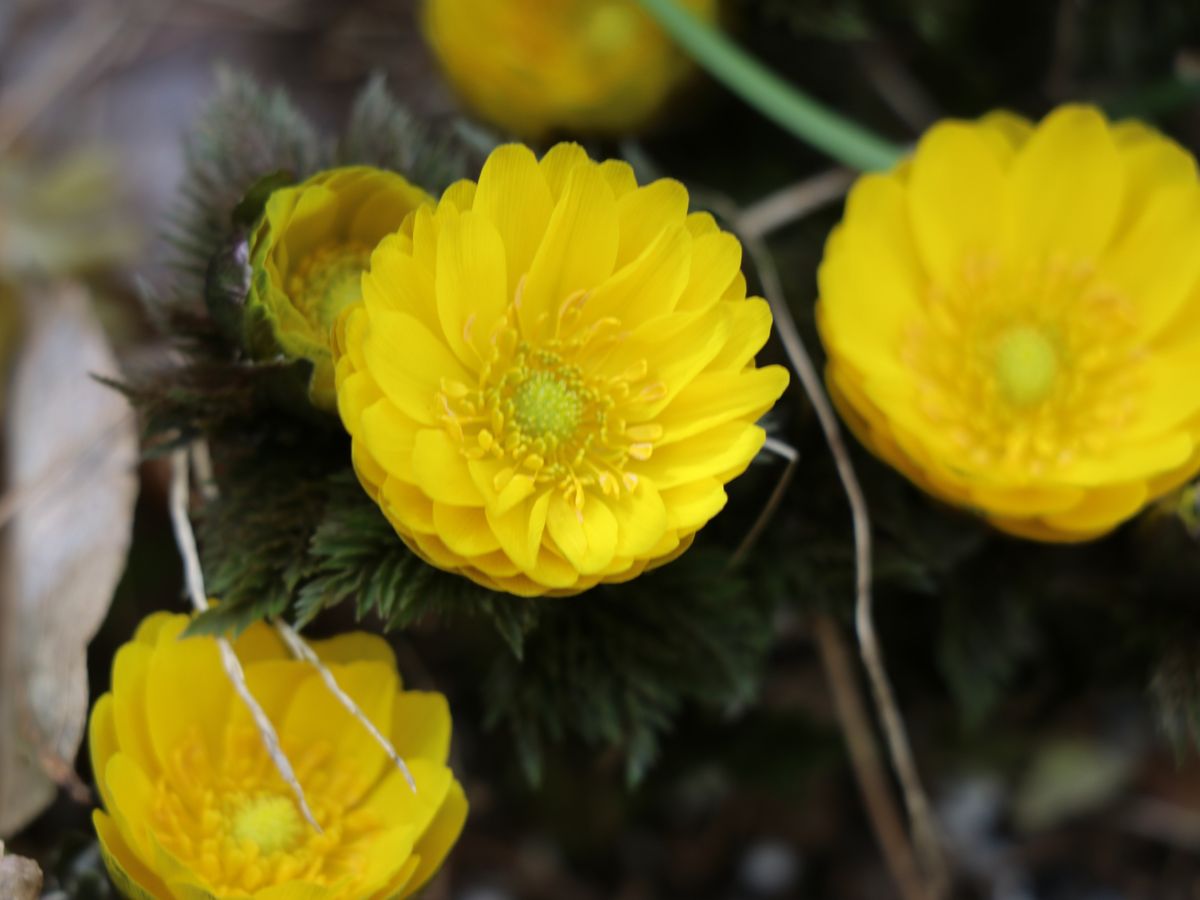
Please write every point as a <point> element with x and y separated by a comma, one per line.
<point>308,254</point>
<point>539,66</point>
<point>1012,319</point>
<point>195,808</point>
<point>551,376</point>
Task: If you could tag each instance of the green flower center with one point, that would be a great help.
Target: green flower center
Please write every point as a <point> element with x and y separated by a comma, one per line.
<point>328,281</point>
<point>270,821</point>
<point>545,407</point>
<point>1026,364</point>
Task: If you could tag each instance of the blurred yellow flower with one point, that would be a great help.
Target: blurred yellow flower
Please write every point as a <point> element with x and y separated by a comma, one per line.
<point>540,66</point>
<point>551,376</point>
<point>1012,319</point>
<point>308,253</point>
<point>195,808</point>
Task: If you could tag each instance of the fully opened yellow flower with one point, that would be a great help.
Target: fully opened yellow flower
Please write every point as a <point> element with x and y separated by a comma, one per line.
<point>195,808</point>
<point>540,66</point>
<point>551,376</point>
<point>1012,319</point>
<point>308,253</point>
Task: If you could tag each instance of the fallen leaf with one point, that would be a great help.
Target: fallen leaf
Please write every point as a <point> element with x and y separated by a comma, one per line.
<point>70,448</point>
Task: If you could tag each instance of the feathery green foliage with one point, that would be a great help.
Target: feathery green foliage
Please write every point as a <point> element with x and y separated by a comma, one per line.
<point>614,667</point>
<point>381,132</point>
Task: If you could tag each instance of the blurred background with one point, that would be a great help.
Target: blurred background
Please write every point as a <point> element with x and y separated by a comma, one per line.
<point>1038,724</point>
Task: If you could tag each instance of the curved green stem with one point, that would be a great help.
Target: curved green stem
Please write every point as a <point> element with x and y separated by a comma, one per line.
<point>785,104</point>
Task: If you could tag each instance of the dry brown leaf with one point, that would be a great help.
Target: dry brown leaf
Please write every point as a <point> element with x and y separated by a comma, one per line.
<point>71,456</point>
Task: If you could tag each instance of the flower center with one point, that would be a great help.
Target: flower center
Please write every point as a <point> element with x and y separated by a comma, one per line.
<point>538,408</point>
<point>543,406</point>
<point>270,821</point>
<point>327,281</point>
<point>1026,364</point>
<point>235,822</point>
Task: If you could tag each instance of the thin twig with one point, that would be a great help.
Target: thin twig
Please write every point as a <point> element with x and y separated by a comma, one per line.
<point>194,577</point>
<point>920,813</point>
<point>302,651</point>
<point>864,754</point>
<point>785,451</point>
<point>792,202</point>
<point>896,85</point>
<point>201,459</point>
<point>202,465</point>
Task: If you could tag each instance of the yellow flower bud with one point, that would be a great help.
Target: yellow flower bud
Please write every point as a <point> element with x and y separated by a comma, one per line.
<point>307,256</point>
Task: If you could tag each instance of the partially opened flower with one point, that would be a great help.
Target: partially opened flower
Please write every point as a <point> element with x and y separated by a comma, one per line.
<point>195,808</point>
<point>308,254</point>
<point>551,376</point>
<point>1012,319</point>
<point>540,66</point>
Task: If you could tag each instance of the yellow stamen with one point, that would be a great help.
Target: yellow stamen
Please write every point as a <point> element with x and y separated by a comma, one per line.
<point>329,280</point>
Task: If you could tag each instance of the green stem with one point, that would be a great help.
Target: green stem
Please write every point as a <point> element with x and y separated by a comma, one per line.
<point>785,104</point>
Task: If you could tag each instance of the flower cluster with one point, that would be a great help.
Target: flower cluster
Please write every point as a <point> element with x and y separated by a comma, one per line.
<point>551,375</point>
<point>1011,319</point>
<point>196,809</point>
<point>536,67</point>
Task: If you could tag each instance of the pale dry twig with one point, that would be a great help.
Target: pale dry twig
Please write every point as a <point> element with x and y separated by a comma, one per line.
<point>194,577</point>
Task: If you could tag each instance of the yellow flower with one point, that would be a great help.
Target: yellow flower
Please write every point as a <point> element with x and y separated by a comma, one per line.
<point>196,810</point>
<point>540,66</point>
<point>1012,319</point>
<point>308,253</point>
<point>551,376</point>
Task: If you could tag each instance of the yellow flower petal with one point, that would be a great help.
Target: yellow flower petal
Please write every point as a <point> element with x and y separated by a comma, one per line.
<point>131,877</point>
<point>421,728</point>
<point>646,212</point>
<point>648,286</point>
<point>717,450</point>
<point>1153,260</point>
<point>587,536</point>
<point>715,398</point>
<point>185,661</point>
<point>1069,208</point>
<point>578,251</point>
<point>439,837</point>
<point>472,283</point>
<point>956,195</point>
<point>465,529</point>
<point>355,646</point>
<point>716,262</point>
<point>130,665</point>
<point>641,518</point>
<point>441,470</point>
<point>384,426</point>
<point>102,740</point>
<point>408,362</point>
<point>520,529</point>
<point>316,716</point>
<point>514,196</point>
